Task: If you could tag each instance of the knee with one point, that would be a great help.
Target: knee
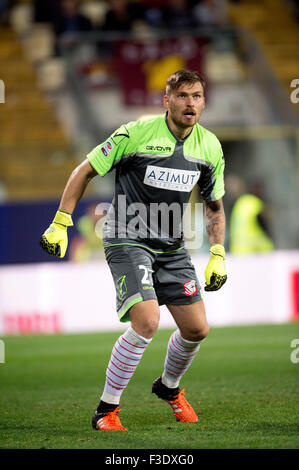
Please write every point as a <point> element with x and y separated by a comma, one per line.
<point>146,328</point>
<point>204,332</point>
<point>145,318</point>
<point>197,334</point>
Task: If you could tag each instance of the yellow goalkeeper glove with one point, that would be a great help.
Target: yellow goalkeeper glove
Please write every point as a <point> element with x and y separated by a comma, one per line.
<point>215,272</point>
<point>54,240</point>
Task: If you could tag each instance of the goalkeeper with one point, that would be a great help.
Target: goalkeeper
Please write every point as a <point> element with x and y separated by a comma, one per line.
<point>158,161</point>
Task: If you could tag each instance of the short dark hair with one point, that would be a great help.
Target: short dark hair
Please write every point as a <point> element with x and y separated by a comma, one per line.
<point>183,77</point>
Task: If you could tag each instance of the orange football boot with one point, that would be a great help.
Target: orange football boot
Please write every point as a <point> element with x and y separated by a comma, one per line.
<point>182,410</point>
<point>108,421</point>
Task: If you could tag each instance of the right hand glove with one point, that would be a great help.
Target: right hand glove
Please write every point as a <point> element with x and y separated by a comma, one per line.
<point>215,272</point>
<point>54,240</point>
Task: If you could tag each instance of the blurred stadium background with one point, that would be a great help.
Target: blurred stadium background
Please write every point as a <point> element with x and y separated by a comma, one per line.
<point>71,72</point>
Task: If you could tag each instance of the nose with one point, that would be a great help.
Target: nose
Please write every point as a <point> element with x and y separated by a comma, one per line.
<point>190,101</point>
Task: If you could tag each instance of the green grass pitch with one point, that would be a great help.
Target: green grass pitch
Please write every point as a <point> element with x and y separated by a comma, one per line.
<point>242,383</point>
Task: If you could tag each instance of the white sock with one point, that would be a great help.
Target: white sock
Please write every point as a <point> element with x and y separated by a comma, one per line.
<point>126,355</point>
<point>180,354</point>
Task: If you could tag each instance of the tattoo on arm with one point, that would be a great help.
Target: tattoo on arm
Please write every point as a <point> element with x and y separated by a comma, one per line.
<point>215,222</point>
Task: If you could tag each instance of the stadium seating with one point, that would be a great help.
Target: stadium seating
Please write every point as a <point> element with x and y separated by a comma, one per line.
<point>35,153</point>
<point>275,29</point>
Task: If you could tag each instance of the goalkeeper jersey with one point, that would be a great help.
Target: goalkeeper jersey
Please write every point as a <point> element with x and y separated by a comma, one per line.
<point>155,174</point>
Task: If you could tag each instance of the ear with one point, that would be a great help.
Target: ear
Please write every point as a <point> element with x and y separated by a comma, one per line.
<point>166,101</point>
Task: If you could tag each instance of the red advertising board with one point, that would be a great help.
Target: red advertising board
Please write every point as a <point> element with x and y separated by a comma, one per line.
<point>142,67</point>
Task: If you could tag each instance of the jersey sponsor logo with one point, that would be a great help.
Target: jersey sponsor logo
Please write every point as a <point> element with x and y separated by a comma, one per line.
<point>171,179</point>
<point>107,147</point>
<point>190,288</point>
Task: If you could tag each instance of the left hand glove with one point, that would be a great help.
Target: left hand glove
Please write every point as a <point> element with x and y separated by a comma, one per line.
<point>215,272</point>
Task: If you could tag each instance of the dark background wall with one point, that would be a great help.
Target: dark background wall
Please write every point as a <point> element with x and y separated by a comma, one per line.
<point>21,226</point>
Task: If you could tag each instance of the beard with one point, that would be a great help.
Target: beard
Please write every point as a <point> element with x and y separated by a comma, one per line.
<point>178,117</point>
<point>179,122</point>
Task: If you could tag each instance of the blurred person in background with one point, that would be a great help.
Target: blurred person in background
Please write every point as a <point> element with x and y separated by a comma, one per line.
<point>158,161</point>
<point>87,246</point>
<point>5,9</point>
<point>250,219</point>
<point>210,12</point>
<point>69,22</point>
<point>294,7</point>
<point>188,14</point>
<point>177,15</point>
<point>46,11</point>
<point>122,15</point>
<point>153,12</point>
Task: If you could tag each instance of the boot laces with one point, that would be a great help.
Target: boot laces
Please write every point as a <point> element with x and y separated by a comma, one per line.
<point>113,416</point>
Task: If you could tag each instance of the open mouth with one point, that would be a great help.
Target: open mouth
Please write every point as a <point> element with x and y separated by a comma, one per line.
<point>189,114</point>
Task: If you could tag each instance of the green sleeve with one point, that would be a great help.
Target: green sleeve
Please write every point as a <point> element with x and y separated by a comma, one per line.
<point>219,165</point>
<point>105,156</point>
<point>211,181</point>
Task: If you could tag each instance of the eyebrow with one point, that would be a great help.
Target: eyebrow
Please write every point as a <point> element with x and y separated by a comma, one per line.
<point>186,93</point>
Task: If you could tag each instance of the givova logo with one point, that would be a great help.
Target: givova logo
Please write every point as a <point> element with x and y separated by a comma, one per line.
<point>159,148</point>
<point>171,179</point>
